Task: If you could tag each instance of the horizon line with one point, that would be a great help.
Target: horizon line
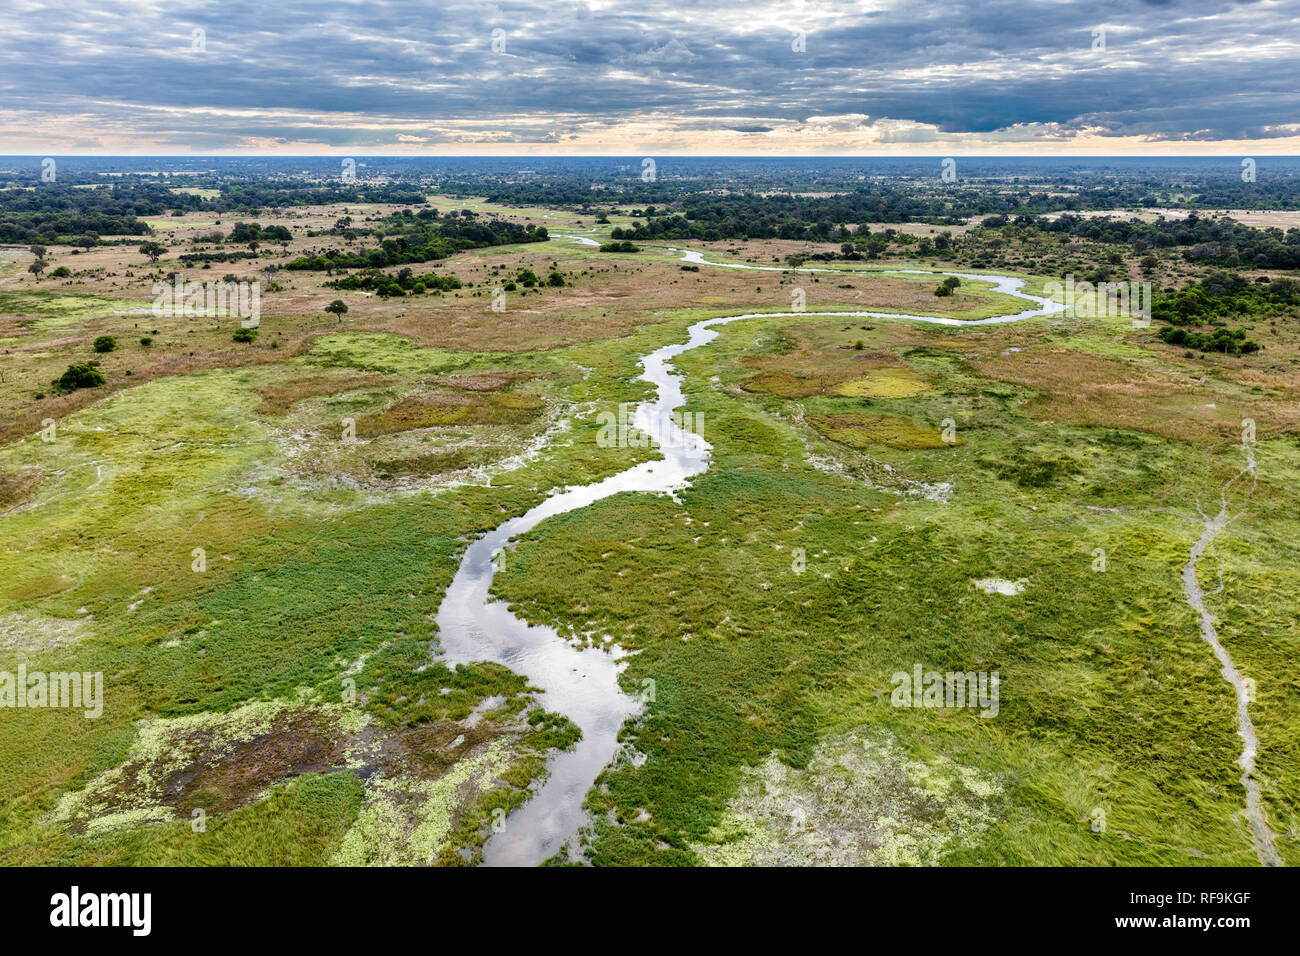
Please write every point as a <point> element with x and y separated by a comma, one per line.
<point>347,154</point>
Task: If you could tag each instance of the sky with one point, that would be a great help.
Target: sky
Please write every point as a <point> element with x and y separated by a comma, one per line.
<point>645,77</point>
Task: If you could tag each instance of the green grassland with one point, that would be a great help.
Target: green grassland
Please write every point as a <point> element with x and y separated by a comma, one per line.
<point>326,556</point>
<point>1109,698</point>
<point>52,311</point>
<point>300,582</point>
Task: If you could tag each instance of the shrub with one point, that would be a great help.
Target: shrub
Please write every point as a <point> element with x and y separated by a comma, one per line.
<point>1222,339</point>
<point>146,340</point>
<point>244,335</point>
<point>105,343</point>
<point>79,375</point>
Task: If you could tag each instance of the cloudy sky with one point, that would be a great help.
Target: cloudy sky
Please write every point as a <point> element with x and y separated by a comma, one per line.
<point>651,76</point>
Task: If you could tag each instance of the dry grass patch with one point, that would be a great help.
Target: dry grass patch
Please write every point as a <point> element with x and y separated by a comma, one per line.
<point>486,381</point>
<point>448,408</point>
<point>17,488</point>
<point>438,463</point>
<point>276,399</point>
<point>1081,388</point>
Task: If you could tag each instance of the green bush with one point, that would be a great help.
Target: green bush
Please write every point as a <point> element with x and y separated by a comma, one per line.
<point>79,375</point>
<point>245,335</point>
<point>1222,339</point>
<point>105,343</point>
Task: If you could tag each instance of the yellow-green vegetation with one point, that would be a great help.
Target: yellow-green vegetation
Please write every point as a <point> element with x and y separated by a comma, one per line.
<point>252,551</point>
<point>863,431</point>
<point>162,538</point>
<point>41,311</point>
<point>772,603</point>
<point>859,801</point>
<point>885,383</point>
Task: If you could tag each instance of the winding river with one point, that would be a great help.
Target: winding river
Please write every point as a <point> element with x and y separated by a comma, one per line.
<point>583,683</point>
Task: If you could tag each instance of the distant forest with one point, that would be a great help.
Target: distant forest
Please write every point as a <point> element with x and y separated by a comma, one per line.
<point>53,213</point>
<point>421,237</point>
<point>697,198</point>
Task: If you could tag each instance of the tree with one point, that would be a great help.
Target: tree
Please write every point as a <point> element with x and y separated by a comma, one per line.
<point>339,308</point>
<point>37,267</point>
<point>38,251</point>
<point>88,241</point>
<point>153,250</point>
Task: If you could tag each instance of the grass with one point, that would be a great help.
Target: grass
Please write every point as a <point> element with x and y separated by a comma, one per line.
<point>297,584</point>
<point>1109,697</point>
<point>770,602</point>
<point>44,311</point>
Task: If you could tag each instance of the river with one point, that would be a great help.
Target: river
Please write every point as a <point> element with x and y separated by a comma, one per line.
<point>582,683</point>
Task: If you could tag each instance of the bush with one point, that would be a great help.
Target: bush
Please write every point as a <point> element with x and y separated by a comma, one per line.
<point>146,340</point>
<point>555,279</point>
<point>79,375</point>
<point>244,335</point>
<point>1222,339</point>
<point>105,343</point>
<point>62,272</point>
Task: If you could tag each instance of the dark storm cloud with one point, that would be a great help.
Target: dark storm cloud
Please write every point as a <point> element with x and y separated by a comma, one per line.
<point>1195,70</point>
